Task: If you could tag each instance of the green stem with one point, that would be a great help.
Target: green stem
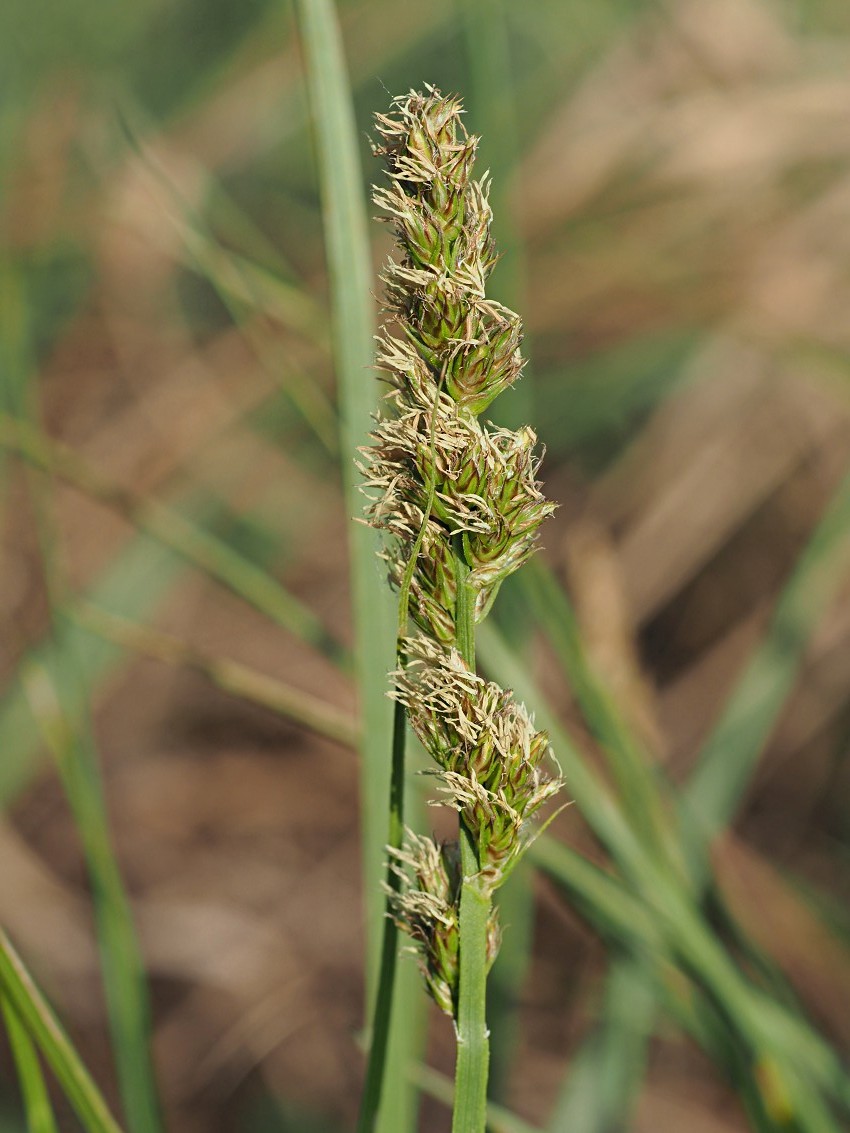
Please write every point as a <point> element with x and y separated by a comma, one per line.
<point>473,1047</point>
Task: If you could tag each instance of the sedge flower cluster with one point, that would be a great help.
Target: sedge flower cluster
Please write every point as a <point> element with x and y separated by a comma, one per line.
<point>449,489</point>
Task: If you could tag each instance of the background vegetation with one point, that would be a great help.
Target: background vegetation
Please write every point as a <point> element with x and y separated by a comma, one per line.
<point>178,711</point>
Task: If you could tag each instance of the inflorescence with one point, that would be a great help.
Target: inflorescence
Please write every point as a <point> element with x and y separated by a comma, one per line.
<point>442,484</point>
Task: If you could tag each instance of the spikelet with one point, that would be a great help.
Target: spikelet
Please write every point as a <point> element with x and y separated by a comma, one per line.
<point>427,910</point>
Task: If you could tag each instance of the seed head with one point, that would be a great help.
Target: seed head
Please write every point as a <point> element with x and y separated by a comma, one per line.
<point>487,748</point>
<point>427,910</point>
<point>484,487</point>
<point>441,218</point>
<point>456,496</point>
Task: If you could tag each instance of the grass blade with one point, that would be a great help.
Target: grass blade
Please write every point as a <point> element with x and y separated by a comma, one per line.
<point>606,1074</point>
<point>132,584</point>
<point>32,1009</point>
<point>245,289</point>
<point>630,765</point>
<point>728,757</point>
<point>39,1112</point>
<point>74,752</point>
<point>777,1038</point>
<point>139,576</point>
<point>601,898</point>
<point>311,712</point>
<point>350,271</point>
<point>195,545</point>
<point>123,970</point>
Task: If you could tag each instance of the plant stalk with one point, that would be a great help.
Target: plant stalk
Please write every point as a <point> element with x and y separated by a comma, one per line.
<point>473,1043</point>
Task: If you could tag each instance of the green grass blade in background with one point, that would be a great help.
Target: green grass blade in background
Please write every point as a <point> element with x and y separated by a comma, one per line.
<point>629,763</point>
<point>32,1009</point>
<point>728,758</point>
<point>72,746</point>
<point>793,1069</point>
<point>246,289</point>
<point>607,1072</point>
<point>135,580</point>
<point>311,712</point>
<point>793,1066</point>
<point>249,285</point>
<point>608,389</point>
<point>210,554</point>
<point>620,917</point>
<point>37,1107</point>
<point>350,271</point>
<point>663,926</point>
<point>139,577</point>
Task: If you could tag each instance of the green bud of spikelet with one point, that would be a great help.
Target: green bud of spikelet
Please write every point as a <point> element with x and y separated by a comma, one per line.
<point>433,471</point>
<point>442,223</point>
<point>426,909</point>
<point>485,488</point>
<point>487,748</point>
<point>433,587</point>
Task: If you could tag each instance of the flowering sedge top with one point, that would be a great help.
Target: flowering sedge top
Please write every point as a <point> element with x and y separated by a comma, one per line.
<point>487,748</point>
<point>433,467</point>
<point>444,485</point>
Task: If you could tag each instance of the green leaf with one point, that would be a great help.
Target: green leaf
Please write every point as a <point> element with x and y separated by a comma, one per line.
<point>350,270</point>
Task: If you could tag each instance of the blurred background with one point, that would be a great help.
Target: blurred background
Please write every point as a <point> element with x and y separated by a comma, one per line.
<point>672,196</point>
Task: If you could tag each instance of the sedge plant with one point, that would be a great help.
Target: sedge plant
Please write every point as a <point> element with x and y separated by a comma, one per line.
<point>461,504</point>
